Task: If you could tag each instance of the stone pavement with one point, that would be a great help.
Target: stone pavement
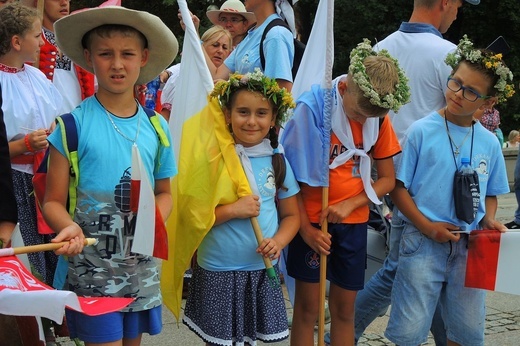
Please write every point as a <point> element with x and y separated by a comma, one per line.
<point>502,319</point>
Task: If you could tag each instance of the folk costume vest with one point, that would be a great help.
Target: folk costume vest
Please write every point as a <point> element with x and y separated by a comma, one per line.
<point>49,53</point>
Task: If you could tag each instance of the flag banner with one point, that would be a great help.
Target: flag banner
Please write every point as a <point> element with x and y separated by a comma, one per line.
<point>318,58</point>
<point>210,174</point>
<point>199,160</point>
<point>150,237</point>
<point>492,262</point>
<point>194,82</point>
<point>315,69</point>
<point>21,294</point>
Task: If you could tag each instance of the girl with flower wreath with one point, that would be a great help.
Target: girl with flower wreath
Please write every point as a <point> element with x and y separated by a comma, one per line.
<point>434,244</point>
<point>231,299</point>
<point>360,132</point>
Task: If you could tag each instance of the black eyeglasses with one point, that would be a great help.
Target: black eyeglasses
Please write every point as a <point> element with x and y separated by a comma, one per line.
<point>469,94</point>
<point>233,20</point>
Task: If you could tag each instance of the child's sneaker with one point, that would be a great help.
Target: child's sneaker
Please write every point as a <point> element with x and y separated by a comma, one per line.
<point>512,225</point>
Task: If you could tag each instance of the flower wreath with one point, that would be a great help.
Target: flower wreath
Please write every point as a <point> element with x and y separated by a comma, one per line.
<point>490,61</point>
<point>258,82</point>
<point>359,75</point>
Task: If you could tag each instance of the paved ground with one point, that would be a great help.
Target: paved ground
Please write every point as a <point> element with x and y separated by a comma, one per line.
<point>502,320</point>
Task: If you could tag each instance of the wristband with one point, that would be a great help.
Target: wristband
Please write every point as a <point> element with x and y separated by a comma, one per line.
<point>27,144</point>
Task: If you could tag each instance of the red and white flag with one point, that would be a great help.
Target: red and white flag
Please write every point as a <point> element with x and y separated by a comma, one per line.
<point>150,237</point>
<point>21,294</point>
<point>493,259</point>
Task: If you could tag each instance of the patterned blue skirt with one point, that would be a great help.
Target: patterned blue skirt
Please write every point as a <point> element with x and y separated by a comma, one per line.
<point>235,307</point>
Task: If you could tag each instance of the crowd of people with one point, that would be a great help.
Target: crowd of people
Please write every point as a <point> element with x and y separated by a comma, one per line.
<point>94,64</point>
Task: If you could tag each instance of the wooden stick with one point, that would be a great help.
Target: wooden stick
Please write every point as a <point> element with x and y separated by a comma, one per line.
<point>267,262</point>
<point>323,273</point>
<point>41,247</point>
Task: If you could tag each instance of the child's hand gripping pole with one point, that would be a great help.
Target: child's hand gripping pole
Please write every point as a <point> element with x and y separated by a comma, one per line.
<point>271,273</point>
<point>41,247</point>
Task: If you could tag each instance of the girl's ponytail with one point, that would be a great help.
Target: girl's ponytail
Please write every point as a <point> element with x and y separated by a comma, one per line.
<point>278,160</point>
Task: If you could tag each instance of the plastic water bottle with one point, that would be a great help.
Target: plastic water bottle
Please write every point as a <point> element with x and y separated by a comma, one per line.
<point>466,168</point>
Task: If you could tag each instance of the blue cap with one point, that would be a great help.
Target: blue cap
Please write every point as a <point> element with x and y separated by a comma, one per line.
<point>473,2</point>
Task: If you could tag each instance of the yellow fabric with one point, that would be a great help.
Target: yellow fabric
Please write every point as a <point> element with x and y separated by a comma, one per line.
<point>210,174</point>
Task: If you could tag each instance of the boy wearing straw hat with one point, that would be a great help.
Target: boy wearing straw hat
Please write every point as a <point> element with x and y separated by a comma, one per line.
<point>122,47</point>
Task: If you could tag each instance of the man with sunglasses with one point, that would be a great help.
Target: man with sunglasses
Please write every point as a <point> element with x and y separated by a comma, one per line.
<point>419,47</point>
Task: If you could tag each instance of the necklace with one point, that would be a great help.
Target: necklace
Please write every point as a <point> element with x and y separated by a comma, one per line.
<point>117,128</point>
<point>456,152</point>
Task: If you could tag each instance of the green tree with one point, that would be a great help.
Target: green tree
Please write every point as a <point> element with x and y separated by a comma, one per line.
<point>376,19</point>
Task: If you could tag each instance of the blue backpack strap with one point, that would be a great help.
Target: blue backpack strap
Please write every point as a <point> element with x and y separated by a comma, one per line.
<point>156,123</point>
<point>70,139</point>
<point>69,136</point>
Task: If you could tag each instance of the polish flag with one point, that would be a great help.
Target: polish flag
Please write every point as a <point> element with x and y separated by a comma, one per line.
<point>150,236</point>
<point>492,262</point>
<point>21,294</point>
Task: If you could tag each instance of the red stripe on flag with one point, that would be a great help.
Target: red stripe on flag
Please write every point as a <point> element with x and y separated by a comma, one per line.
<point>160,245</point>
<point>135,188</point>
<point>14,277</point>
<point>482,262</point>
<point>93,306</point>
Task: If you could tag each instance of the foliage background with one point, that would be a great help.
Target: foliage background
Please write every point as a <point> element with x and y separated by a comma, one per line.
<point>375,19</point>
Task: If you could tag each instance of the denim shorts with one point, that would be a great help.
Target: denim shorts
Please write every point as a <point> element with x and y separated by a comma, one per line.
<point>346,263</point>
<point>428,273</point>
<point>114,326</point>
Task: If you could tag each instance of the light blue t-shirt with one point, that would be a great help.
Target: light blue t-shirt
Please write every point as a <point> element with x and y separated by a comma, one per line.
<point>426,167</point>
<point>278,52</point>
<point>109,268</point>
<point>232,245</point>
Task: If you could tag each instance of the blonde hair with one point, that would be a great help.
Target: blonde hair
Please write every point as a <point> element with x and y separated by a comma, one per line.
<point>512,135</point>
<point>15,19</point>
<point>383,76</point>
<point>214,34</point>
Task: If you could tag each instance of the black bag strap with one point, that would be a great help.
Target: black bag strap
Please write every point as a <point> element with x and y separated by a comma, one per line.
<point>273,23</point>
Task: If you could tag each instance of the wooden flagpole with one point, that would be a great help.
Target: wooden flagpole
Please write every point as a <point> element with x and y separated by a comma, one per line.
<point>271,273</point>
<point>323,272</point>
<point>9,251</point>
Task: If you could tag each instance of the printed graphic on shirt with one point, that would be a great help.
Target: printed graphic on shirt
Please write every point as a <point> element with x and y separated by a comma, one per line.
<point>481,163</point>
<point>109,268</point>
<point>338,149</point>
<point>266,183</point>
<point>245,64</point>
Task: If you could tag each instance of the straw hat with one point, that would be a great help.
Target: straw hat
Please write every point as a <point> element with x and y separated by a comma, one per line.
<point>231,6</point>
<point>29,3</point>
<point>162,44</point>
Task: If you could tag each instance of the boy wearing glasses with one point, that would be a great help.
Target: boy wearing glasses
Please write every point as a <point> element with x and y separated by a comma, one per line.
<point>433,248</point>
